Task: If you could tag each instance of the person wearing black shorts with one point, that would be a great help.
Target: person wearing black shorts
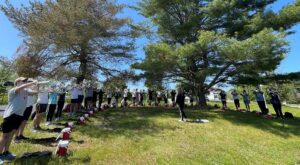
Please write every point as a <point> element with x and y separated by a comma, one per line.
<point>223,99</point>
<point>29,106</point>
<point>13,115</point>
<point>173,95</point>
<point>60,103</point>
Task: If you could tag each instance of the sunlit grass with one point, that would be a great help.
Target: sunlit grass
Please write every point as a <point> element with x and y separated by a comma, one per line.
<point>154,136</point>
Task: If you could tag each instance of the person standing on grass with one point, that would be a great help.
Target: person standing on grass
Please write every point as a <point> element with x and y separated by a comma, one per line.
<point>235,97</point>
<point>117,96</point>
<point>109,96</point>
<point>94,97</point>
<point>165,95</point>
<point>80,97</point>
<point>141,97</point>
<point>41,107</point>
<point>13,115</point>
<point>246,99</point>
<point>74,100</point>
<point>89,97</point>
<point>276,102</point>
<point>259,95</point>
<point>223,99</point>
<point>173,95</point>
<point>150,97</point>
<point>180,98</point>
<point>60,103</point>
<point>100,97</point>
<point>134,96</point>
<point>53,95</point>
<point>29,106</point>
<point>158,97</point>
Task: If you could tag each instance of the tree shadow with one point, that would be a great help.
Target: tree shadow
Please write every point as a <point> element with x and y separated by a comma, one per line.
<point>43,141</point>
<point>282,127</point>
<point>133,123</point>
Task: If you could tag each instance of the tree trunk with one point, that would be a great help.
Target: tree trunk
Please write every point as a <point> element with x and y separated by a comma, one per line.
<point>82,68</point>
<point>202,99</point>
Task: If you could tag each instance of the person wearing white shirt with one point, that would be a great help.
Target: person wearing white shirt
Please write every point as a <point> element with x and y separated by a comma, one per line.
<point>235,97</point>
<point>41,107</point>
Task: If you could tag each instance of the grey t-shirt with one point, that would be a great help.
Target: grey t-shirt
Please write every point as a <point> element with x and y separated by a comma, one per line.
<point>16,103</point>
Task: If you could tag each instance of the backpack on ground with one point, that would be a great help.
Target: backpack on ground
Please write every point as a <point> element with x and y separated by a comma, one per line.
<point>288,115</point>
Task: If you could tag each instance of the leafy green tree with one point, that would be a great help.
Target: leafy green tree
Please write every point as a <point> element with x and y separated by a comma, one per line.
<point>207,43</point>
<point>87,37</point>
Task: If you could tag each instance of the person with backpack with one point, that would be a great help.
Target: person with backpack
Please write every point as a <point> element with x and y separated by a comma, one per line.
<point>276,102</point>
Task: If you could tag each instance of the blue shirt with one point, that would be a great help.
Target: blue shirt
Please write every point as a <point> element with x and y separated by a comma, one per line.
<point>259,96</point>
<point>53,98</point>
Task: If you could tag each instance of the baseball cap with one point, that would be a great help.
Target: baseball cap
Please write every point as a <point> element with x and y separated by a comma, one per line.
<point>20,79</point>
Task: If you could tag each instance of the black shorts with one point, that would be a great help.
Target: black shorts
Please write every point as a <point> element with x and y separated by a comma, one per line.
<point>80,98</point>
<point>74,101</point>
<point>223,102</point>
<point>41,108</point>
<point>27,113</point>
<point>88,98</point>
<point>12,122</point>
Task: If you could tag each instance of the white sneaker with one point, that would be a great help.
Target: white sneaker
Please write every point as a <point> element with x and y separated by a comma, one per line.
<point>181,120</point>
<point>47,123</point>
<point>33,130</point>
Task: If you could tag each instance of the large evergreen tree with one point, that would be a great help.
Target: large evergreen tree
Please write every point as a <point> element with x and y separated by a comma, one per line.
<point>207,42</point>
<point>87,37</point>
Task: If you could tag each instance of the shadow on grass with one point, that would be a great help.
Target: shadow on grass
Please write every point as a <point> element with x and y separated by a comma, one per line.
<point>284,128</point>
<point>133,123</point>
<point>43,141</point>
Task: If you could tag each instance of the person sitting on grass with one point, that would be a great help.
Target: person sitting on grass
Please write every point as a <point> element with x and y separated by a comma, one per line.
<point>246,99</point>
<point>276,102</point>
<point>41,107</point>
<point>13,115</point>
<point>180,102</point>
<point>223,99</point>
<point>29,106</point>
<point>235,97</point>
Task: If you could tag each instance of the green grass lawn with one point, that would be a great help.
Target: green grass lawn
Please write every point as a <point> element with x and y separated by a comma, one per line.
<point>155,136</point>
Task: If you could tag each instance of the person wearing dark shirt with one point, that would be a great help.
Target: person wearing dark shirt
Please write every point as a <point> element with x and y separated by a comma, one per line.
<point>180,102</point>
<point>100,97</point>
<point>94,99</point>
<point>173,95</point>
<point>60,103</point>
<point>275,101</point>
<point>150,96</point>
<point>223,99</point>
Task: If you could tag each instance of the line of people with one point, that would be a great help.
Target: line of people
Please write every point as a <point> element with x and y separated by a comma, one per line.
<point>260,99</point>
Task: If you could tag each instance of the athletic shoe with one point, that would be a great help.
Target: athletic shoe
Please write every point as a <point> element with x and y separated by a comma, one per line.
<point>1,161</point>
<point>9,155</point>
<point>34,130</point>
<point>181,120</point>
<point>47,123</point>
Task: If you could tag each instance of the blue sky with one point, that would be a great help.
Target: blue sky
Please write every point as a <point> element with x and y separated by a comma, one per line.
<point>10,38</point>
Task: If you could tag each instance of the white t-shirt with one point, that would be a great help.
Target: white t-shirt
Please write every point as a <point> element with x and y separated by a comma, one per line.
<point>158,94</point>
<point>125,93</point>
<point>235,96</point>
<point>74,93</point>
<point>134,94</point>
<point>30,101</point>
<point>42,97</point>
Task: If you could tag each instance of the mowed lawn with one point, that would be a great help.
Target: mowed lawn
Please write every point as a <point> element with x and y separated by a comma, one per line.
<point>155,136</point>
